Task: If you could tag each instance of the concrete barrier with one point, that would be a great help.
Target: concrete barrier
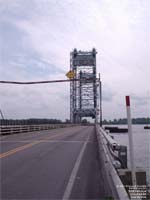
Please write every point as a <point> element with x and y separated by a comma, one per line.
<point>111,178</point>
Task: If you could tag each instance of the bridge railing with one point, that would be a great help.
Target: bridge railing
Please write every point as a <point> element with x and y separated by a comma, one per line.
<point>118,152</point>
<point>110,175</point>
<point>12,129</point>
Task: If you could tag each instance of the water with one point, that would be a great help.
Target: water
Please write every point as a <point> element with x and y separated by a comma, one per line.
<point>141,140</point>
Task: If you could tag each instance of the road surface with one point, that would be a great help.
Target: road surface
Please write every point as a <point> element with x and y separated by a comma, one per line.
<point>53,164</point>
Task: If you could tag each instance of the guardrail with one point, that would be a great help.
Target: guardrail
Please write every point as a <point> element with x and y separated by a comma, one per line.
<point>111,178</point>
<point>13,129</point>
<point>117,151</point>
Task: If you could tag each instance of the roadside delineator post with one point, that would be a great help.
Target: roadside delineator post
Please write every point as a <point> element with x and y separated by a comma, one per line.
<point>131,150</point>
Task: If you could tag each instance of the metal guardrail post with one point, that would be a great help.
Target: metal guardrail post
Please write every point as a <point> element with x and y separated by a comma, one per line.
<point>11,131</point>
<point>122,155</point>
<point>115,147</point>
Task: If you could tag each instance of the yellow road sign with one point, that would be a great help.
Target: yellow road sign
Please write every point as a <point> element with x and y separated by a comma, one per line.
<point>70,74</point>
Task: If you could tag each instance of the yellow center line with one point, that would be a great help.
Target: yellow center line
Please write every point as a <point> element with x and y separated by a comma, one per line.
<point>10,152</point>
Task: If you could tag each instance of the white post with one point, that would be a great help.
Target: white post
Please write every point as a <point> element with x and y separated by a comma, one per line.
<point>130,140</point>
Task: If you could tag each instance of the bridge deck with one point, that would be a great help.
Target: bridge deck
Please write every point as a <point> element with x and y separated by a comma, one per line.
<point>52,164</point>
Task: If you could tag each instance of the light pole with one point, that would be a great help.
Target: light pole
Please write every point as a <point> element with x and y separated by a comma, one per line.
<point>1,114</point>
<point>100,99</point>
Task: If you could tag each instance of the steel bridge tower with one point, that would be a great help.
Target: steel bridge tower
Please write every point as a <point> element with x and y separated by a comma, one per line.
<point>83,93</point>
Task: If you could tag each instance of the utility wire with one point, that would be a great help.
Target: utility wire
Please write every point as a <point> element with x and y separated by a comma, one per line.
<point>43,82</point>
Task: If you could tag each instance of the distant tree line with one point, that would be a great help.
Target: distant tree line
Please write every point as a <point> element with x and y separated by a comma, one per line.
<point>124,121</point>
<point>67,121</point>
<point>36,121</point>
<point>29,121</point>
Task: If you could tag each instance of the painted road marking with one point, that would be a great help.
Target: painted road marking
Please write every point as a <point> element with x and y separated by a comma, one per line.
<point>2,155</point>
<point>73,175</point>
<point>51,141</point>
<point>13,151</point>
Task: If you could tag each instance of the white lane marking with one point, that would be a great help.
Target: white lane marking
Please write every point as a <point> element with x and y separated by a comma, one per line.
<point>51,141</point>
<point>73,175</point>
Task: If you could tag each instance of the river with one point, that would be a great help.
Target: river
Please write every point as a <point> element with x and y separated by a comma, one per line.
<point>141,143</point>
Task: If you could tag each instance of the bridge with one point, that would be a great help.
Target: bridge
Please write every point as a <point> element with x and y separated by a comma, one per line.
<point>60,163</point>
<point>65,161</point>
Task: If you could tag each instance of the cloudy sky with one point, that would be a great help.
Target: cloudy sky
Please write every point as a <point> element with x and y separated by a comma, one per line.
<point>36,37</point>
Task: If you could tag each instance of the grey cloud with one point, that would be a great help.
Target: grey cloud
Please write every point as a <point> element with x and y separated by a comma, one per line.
<point>38,35</point>
<point>65,97</point>
<point>140,100</point>
<point>107,94</point>
<point>35,66</point>
<point>18,9</point>
<point>12,41</point>
<point>18,56</point>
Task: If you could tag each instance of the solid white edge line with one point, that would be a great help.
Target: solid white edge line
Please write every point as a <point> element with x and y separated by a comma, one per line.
<point>72,178</point>
<point>51,141</point>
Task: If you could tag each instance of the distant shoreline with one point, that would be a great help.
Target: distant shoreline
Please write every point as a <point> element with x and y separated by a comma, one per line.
<point>123,121</point>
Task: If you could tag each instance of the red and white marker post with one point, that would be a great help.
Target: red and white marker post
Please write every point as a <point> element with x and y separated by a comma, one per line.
<point>131,150</point>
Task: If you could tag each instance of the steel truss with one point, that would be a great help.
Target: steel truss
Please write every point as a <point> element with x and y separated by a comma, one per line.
<point>83,93</point>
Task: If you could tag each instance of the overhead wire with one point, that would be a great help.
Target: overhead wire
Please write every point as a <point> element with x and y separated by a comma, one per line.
<point>43,82</point>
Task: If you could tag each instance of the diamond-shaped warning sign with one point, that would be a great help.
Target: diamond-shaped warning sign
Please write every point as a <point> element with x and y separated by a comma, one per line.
<point>70,74</point>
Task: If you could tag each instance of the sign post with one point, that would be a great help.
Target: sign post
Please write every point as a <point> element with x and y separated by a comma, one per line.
<point>130,140</point>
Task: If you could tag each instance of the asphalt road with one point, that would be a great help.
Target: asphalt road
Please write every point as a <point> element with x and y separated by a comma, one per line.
<point>53,164</point>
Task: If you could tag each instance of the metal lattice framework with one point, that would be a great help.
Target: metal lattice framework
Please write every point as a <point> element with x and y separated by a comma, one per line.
<point>83,93</point>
